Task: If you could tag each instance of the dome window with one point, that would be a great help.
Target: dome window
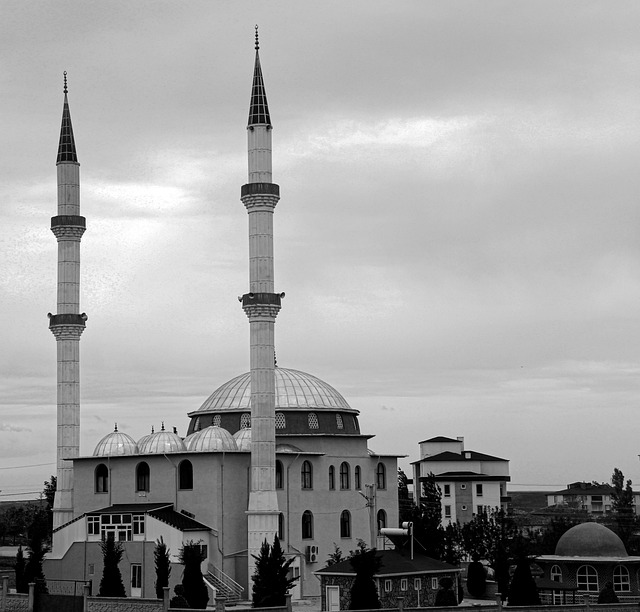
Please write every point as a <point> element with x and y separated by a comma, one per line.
<point>382,519</point>
<point>306,475</point>
<point>197,425</point>
<point>313,421</point>
<point>185,475</point>
<point>344,475</point>
<point>345,524</point>
<point>587,579</point>
<point>102,478</point>
<point>332,477</point>
<point>381,476</point>
<point>339,421</point>
<point>245,420</point>
<point>357,477</point>
<point>621,579</point>
<point>142,477</point>
<point>307,525</point>
<point>216,420</point>
<point>281,423</point>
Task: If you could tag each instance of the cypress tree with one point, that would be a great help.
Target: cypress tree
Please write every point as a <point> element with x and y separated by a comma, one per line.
<point>111,584</point>
<point>270,579</point>
<point>22,586</point>
<point>163,567</point>
<point>195,590</point>
<point>364,595</point>
<point>523,590</point>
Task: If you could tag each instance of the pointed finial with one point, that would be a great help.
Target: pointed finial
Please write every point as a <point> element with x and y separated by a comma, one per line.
<point>257,43</point>
<point>162,426</point>
<point>115,428</point>
<point>65,80</point>
<point>152,430</point>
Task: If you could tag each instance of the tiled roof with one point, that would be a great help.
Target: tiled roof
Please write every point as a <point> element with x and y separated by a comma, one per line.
<point>439,439</point>
<point>395,562</point>
<point>473,456</point>
<point>178,520</point>
<point>131,508</point>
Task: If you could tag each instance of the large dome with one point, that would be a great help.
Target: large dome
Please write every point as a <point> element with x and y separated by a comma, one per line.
<point>294,390</point>
<point>590,540</point>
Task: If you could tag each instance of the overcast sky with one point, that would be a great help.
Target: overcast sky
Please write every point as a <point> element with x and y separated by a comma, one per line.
<point>457,235</point>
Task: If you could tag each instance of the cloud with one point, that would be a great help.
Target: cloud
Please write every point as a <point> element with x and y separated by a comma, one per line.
<point>12,428</point>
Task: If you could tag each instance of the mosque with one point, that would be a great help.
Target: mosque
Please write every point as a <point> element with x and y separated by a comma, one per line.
<point>272,451</point>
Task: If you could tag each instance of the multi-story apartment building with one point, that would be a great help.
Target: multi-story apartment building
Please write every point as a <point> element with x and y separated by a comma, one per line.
<point>470,482</point>
<point>592,497</point>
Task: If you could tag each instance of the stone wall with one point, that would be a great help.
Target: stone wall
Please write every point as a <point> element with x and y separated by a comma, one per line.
<point>124,604</point>
<point>16,602</point>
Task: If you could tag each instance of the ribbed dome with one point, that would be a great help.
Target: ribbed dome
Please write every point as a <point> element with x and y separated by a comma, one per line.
<point>590,540</point>
<point>116,443</point>
<point>294,390</point>
<point>211,439</point>
<point>161,442</point>
<point>243,439</point>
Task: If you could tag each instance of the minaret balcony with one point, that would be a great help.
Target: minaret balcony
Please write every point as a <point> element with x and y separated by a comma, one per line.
<point>68,220</point>
<point>249,189</point>
<point>263,299</point>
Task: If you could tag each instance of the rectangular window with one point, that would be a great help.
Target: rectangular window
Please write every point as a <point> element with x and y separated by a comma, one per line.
<point>434,584</point>
<point>92,569</point>
<point>136,576</point>
<point>447,490</point>
<point>447,512</point>
<point>138,524</point>
<point>93,525</point>
<point>404,584</point>
<point>417,584</point>
<point>480,509</point>
<point>387,586</point>
<point>479,490</point>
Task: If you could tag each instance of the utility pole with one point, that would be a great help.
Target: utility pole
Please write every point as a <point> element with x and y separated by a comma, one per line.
<point>370,496</point>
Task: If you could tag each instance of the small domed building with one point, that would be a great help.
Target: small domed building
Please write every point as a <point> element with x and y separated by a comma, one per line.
<point>588,556</point>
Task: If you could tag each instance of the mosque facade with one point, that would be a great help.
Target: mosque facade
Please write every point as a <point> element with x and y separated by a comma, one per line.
<point>272,451</point>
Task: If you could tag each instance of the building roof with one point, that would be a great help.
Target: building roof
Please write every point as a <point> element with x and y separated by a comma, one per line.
<point>394,563</point>
<point>162,511</point>
<point>464,456</point>
<point>585,488</point>
<point>439,439</point>
<point>466,476</point>
<point>130,508</point>
<point>294,390</point>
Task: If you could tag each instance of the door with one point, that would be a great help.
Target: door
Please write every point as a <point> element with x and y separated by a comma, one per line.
<point>333,599</point>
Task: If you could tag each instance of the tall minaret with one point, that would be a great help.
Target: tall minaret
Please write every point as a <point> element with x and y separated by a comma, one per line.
<point>67,326</point>
<point>261,305</point>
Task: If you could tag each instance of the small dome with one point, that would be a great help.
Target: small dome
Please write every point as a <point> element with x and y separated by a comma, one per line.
<point>116,443</point>
<point>161,442</point>
<point>590,540</point>
<point>294,390</point>
<point>211,439</point>
<point>243,439</point>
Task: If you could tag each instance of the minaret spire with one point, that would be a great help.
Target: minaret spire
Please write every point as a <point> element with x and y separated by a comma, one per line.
<point>68,324</point>
<point>261,306</point>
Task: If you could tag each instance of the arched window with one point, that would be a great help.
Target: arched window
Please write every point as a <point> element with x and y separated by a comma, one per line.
<point>281,422</point>
<point>185,475</point>
<point>279,475</point>
<point>142,476</point>
<point>307,525</point>
<point>345,524</point>
<point>621,579</point>
<point>382,519</point>
<point>313,421</point>
<point>306,475</point>
<point>381,476</point>
<point>357,477</point>
<point>556,573</point>
<point>587,579</point>
<point>102,478</point>
<point>196,425</point>
<point>281,526</point>
<point>339,421</point>
<point>344,475</point>
<point>245,420</point>
<point>332,477</point>
<point>216,420</point>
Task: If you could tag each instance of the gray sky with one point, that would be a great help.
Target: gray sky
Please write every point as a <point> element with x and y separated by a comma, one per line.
<point>457,235</point>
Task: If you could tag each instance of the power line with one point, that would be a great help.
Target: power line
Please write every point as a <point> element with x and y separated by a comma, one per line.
<point>17,467</point>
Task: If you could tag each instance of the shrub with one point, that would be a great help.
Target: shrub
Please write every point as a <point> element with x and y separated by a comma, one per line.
<point>445,595</point>
<point>270,579</point>
<point>163,567</point>
<point>523,590</point>
<point>195,590</point>
<point>608,595</point>
<point>476,579</point>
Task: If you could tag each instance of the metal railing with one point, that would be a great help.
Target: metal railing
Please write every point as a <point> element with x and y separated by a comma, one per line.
<point>226,585</point>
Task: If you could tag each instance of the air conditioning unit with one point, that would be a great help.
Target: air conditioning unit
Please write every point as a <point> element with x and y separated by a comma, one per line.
<point>312,554</point>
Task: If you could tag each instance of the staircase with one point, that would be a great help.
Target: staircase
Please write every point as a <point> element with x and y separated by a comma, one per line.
<point>225,585</point>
